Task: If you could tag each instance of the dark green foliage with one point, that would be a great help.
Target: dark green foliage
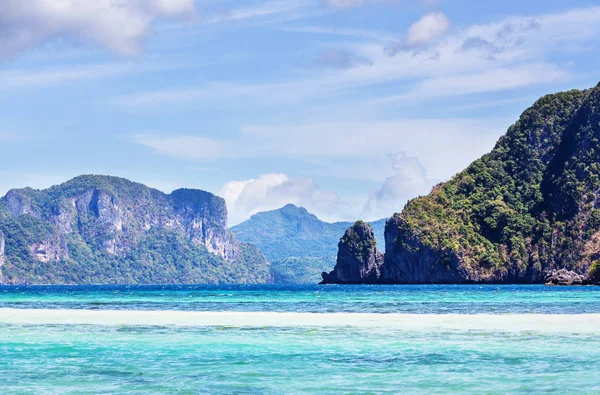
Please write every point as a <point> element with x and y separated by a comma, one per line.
<point>530,204</point>
<point>299,245</point>
<point>594,272</point>
<point>18,234</point>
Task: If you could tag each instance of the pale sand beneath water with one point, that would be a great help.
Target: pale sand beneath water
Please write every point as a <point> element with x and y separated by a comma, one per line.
<point>545,323</point>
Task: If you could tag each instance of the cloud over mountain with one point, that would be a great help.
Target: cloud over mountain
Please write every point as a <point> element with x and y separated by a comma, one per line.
<point>271,191</point>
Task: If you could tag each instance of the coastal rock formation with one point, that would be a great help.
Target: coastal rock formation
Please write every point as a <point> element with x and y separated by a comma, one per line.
<point>565,277</point>
<point>516,215</point>
<point>530,206</point>
<point>98,229</point>
<point>411,261</point>
<point>358,259</point>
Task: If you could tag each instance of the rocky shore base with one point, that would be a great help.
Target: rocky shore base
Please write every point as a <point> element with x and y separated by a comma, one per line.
<point>566,277</point>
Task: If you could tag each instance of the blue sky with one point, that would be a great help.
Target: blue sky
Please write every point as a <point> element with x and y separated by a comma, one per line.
<point>346,107</point>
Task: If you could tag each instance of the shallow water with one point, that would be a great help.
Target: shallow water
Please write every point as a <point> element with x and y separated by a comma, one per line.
<point>300,339</point>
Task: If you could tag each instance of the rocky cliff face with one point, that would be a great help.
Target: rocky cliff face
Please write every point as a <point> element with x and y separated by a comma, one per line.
<point>530,206</point>
<point>407,260</point>
<point>358,260</point>
<point>112,220</point>
<point>2,244</point>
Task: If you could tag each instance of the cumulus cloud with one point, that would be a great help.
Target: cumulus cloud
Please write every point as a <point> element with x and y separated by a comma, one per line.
<point>409,179</point>
<point>115,24</point>
<point>272,191</point>
<point>428,28</point>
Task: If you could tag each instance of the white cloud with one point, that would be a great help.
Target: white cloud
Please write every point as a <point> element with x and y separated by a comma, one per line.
<point>409,180</point>
<point>272,191</point>
<point>116,24</point>
<point>421,33</point>
<point>427,28</point>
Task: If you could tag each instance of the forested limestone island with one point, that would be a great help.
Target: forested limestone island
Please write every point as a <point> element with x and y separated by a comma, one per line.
<point>108,230</point>
<point>358,261</point>
<point>527,212</point>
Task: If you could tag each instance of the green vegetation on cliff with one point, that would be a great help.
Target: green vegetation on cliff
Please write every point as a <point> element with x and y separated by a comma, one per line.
<point>531,204</point>
<point>98,230</point>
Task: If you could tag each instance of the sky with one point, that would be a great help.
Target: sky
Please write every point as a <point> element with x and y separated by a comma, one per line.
<point>346,107</point>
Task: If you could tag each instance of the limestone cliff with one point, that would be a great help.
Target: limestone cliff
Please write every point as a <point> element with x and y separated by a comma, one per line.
<point>97,229</point>
<point>358,259</point>
<point>2,244</point>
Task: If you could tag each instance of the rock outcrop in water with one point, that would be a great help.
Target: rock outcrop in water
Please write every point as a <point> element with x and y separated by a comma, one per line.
<point>358,260</point>
<point>98,229</point>
<point>565,277</point>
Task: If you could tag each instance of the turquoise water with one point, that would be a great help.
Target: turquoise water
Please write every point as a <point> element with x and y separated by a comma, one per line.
<point>538,342</point>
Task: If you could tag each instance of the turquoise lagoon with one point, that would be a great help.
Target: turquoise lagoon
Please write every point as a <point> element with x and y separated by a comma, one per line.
<point>491,339</point>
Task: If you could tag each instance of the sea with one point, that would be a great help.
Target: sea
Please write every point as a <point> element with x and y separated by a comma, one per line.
<point>297,339</point>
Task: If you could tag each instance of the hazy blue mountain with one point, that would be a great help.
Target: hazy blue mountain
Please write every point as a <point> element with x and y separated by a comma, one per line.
<point>299,245</point>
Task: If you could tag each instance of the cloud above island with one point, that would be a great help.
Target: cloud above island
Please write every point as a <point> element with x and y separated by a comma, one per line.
<point>273,191</point>
<point>409,180</point>
<point>428,28</point>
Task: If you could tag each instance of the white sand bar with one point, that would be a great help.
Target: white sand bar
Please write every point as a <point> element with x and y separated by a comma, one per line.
<point>547,323</point>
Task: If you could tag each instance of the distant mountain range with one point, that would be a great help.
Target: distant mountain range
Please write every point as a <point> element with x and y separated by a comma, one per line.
<point>107,230</point>
<point>298,244</point>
